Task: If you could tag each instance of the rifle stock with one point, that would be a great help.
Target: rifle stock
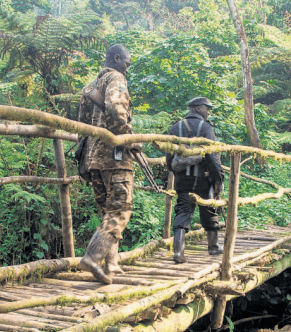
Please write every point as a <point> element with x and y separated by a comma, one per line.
<point>141,160</point>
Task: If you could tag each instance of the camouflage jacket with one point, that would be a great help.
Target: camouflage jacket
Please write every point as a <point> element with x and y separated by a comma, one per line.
<point>105,103</point>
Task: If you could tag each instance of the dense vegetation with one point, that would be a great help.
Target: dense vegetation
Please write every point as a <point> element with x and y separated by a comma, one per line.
<point>51,49</point>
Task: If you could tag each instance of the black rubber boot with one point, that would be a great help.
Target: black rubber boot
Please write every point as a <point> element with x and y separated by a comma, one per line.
<point>179,246</point>
<point>213,247</point>
<point>98,248</point>
<point>111,261</point>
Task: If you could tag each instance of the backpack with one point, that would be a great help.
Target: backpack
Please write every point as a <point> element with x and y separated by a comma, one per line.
<point>180,163</point>
<point>87,107</point>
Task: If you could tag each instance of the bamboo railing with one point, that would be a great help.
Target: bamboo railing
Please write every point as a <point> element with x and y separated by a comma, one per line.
<point>58,128</point>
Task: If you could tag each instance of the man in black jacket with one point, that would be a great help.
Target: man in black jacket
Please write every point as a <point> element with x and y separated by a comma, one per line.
<point>198,179</point>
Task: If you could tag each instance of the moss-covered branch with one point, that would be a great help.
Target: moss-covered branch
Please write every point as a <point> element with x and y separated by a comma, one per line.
<point>37,179</point>
<point>35,269</point>
<point>254,178</point>
<point>259,198</point>
<point>241,201</point>
<point>208,202</point>
<point>171,193</point>
<point>54,121</point>
<point>169,147</point>
<point>119,314</point>
<point>37,131</point>
<point>109,298</point>
<point>257,253</point>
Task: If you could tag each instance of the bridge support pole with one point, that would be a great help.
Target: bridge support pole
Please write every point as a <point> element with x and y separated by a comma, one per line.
<point>66,212</point>
<point>229,240</point>
<point>169,202</point>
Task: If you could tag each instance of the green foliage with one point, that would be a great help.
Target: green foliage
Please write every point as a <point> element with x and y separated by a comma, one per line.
<point>270,211</point>
<point>230,323</point>
<point>146,223</point>
<point>168,76</point>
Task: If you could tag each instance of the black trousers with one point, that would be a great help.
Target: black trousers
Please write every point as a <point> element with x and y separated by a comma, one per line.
<point>185,207</point>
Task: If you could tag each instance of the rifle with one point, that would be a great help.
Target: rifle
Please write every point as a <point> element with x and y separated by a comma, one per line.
<point>141,160</point>
<point>221,209</point>
<point>211,195</point>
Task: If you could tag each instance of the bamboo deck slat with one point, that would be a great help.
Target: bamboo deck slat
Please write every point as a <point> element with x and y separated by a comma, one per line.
<point>145,280</point>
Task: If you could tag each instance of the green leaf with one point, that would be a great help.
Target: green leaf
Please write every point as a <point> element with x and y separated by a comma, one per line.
<point>44,246</point>
<point>36,236</point>
<point>231,326</point>
<point>40,254</point>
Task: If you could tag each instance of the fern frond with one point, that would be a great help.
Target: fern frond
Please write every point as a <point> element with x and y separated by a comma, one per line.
<point>83,17</point>
<point>15,192</point>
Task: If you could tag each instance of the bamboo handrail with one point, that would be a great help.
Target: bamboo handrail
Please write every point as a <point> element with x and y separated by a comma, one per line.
<point>38,179</point>
<point>13,113</point>
<point>168,147</point>
<point>34,130</point>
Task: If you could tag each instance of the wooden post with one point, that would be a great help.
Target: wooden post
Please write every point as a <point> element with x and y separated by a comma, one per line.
<point>230,235</point>
<point>66,213</point>
<point>167,222</point>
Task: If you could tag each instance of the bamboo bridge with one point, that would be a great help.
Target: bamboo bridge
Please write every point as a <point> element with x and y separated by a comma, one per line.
<point>154,294</point>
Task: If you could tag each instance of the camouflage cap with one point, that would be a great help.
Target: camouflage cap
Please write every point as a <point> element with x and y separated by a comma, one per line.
<point>199,101</point>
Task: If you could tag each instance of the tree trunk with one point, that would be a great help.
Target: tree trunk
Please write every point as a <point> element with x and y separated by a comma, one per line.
<point>247,76</point>
<point>67,224</point>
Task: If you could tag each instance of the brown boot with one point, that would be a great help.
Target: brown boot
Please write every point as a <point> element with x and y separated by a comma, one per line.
<point>99,246</point>
<point>111,261</point>
<point>213,247</point>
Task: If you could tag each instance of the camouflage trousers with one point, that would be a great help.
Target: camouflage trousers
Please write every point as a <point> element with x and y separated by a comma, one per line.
<point>113,190</point>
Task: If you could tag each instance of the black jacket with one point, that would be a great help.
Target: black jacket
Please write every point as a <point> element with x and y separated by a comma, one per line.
<point>210,163</point>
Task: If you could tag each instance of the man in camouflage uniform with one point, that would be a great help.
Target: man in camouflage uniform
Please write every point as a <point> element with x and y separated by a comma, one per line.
<point>105,103</point>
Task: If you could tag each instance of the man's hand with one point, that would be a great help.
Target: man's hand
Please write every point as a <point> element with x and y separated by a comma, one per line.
<point>136,147</point>
<point>218,188</point>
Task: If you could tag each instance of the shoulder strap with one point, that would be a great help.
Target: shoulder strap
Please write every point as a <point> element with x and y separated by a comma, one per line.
<point>180,128</point>
<point>188,127</point>
<point>187,124</point>
<point>199,127</point>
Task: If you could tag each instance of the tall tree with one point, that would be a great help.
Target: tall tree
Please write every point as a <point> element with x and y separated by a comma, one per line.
<point>247,76</point>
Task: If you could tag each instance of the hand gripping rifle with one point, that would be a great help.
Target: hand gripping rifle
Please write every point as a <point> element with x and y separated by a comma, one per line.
<point>212,195</point>
<point>141,160</point>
